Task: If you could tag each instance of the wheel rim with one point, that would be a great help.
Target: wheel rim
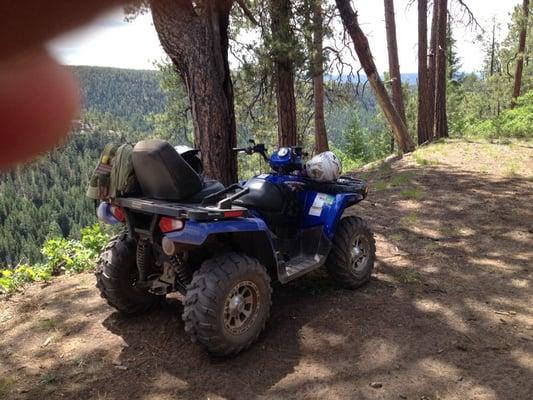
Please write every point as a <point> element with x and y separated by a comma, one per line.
<point>359,253</point>
<point>241,307</point>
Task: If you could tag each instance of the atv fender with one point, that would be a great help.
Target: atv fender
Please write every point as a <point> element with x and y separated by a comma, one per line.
<point>248,235</point>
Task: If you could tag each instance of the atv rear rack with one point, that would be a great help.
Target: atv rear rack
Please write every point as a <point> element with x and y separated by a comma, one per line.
<point>180,210</point>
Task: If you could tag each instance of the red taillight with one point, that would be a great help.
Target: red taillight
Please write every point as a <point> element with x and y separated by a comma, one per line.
<point>167,224</point>
<point>233,214</point>
<point>118,213</point>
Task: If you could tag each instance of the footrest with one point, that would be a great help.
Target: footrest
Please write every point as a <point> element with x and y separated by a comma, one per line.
<point>299,266</point>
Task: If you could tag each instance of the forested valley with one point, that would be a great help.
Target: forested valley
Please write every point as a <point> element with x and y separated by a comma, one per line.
<point>47,197</point>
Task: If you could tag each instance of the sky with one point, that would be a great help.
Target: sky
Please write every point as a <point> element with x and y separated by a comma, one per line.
<point>109,41</point>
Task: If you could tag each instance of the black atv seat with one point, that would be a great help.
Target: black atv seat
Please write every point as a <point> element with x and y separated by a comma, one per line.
<point>163,174</point>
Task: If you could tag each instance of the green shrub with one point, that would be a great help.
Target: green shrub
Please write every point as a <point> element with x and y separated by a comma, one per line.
<point>67,256</point>
<point>62,256</point>
<point>72,256</point>
<point>516,122</point>
<point>348,163</point>
<point>11,279</point>
<point>93,238</point>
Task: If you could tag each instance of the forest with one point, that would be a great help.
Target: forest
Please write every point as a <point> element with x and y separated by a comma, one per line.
<point>287,89</point>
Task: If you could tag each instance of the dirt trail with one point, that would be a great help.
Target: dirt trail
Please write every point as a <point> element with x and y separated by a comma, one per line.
<point>448,313</point>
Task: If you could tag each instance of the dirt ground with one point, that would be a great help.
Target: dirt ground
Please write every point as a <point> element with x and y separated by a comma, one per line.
<point>448,313</point>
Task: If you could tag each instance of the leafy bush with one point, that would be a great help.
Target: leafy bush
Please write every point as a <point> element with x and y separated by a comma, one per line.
<point>347,162</point>
<point>72,256</point>
<point>93,238</point>
<point>62,256</point>
<point>516,122</point>
<point>366,144</point>
<point>10,280</point>
<point>67,256</point>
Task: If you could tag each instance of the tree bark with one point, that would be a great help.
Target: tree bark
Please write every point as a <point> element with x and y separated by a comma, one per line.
<point>441,118</point>
<point>362,48</point>
<point>521,51</point>
<point>424,127</point>
<point>195,37</point>
<point>432,68</point>
<point>283,39</point>
<point>321,137</point>
<point>394,64</point>
<point>493,48</point>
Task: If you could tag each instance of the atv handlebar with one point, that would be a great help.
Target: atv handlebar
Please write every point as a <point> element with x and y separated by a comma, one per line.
<point>256,148</point>
<point>241,149</point>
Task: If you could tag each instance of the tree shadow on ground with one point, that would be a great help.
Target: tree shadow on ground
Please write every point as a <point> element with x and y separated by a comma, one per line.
<point>446,315</point>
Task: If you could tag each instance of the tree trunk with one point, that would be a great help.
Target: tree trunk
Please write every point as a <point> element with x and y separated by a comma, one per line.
<point>424,127</point>
<point>283,40</point>
<point>195,37</point>
<point>432,69</point>
<point>394,64</point>
<point>321,137</point>
<point>362,48</point>
<point>450,55</point>
<point>493,49</point>
<point>521,52</point>
<point>441,118</point>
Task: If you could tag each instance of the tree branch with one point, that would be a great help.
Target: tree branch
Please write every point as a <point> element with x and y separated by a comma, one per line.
<point>471,17</point>
<point>244,7</point>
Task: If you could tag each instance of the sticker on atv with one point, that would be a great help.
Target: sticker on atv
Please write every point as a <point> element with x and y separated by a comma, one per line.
<point>318,204</point>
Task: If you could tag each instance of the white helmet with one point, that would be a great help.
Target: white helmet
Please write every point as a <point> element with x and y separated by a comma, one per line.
<point>192,157</point>
<point>324,167</point>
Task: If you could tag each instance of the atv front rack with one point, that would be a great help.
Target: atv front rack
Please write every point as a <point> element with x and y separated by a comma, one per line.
<point>180,210</point>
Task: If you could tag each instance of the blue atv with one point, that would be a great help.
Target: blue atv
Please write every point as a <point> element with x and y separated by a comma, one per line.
<point>221,247</point>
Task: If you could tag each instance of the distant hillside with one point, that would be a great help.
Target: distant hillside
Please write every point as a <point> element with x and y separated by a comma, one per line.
<point>410,77</point>
<point>126,94</point>
<point>47,197</point>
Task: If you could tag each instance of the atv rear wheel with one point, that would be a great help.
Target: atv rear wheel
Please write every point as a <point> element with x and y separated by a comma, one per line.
<point>352,256</point>
<point>227,303</point>
<point>117,275</point>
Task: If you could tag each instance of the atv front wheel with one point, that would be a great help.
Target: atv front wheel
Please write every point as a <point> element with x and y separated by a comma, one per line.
<point>117,275</point>
<point>227,303</point>
<point>352,256</point>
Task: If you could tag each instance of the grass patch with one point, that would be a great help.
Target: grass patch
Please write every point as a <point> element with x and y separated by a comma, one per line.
<point>426,155</point>
<point>449,231</point>
<point>484,169</point>
<point>48,379</point>
<point>397,237</point>
<point>409,276</point>
<point>492,150</point>
<point>385,168</point>
<point>423,160</point>
<point>400,179</point>
<point>432,246</point>
<point>49,324</point>
<point>409,220</point>
<point>393,181</point>
<point>377,166</point>
<point>379,186</point>
<point>80,363</point>
<point>412,193</point>
<point>511,168</point>
<point>6,385</point>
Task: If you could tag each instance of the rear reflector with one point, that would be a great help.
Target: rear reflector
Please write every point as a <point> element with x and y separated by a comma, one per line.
<point>167,224</point>
<point>233,214</point>
<point>118,213</point>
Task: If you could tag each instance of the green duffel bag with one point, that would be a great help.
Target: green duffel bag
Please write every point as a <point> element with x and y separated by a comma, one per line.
<point>99,184</point>
<point>122,180</point>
